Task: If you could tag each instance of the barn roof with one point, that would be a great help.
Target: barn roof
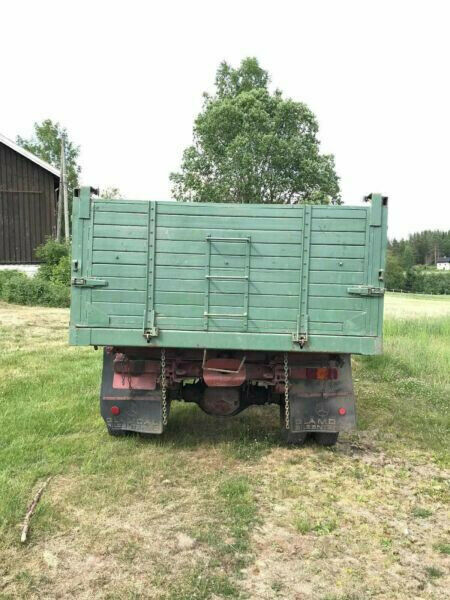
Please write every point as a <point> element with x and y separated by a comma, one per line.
<point>42,163</point>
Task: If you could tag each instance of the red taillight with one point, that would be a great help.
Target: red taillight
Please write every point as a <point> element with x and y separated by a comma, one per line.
<point>115,410</point>
<point>321,373</point>
<point>342,411</point>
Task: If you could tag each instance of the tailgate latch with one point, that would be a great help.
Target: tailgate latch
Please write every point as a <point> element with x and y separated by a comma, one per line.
<point>88,282</point>
<point>365,290</point>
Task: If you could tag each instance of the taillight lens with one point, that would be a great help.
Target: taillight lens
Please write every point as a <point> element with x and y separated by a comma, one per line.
<point>321,373</point>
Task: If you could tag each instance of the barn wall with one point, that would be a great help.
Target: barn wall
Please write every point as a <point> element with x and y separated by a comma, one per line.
<point>27,207</point>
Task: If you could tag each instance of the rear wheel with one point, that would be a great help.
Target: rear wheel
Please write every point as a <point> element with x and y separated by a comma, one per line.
<point>117,432</point>
<point>326,438</point>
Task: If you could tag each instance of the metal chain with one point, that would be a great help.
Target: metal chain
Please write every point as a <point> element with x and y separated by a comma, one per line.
<point>286,390</point>
<point>164,386</point>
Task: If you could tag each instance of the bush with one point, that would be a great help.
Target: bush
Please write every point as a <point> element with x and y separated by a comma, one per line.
<point>55,262</point>
<point>18,288</point>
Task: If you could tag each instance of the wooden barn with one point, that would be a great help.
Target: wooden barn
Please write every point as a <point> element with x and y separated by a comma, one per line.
<point>28,200</point>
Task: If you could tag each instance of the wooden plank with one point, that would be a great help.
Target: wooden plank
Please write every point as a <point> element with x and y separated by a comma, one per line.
<point>119,258</point>
<point>319,327</point>
<point>225,210</point>
<point>123,283</point>
<point>196,324</point>
<point>120,231</point>
<point>325,289</point>
<point>125,296</point>
<point>197,235</point>
<point>350,303</point>
<point>196,298</point>
<point>319,251</point>
<point>120,244</point>
<point>333,277</point>
<point>338,225</point>
<point>339,212</point>
<point>257,223</point>
<point>102,270</point>
<point>229,249</point>
<point>117,218</point>
<point>129,206</point>
<point>277,276</point>
<point>225,287</point>
<point>123,322</point>
<point>120,308</point>
<point>337,264</point>
<point>198,260</point>
<point>257,313</point>
<point>338,237</point>
<point>332,315</point>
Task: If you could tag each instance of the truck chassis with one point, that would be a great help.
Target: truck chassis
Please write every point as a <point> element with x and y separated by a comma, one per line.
<point>313,390</point>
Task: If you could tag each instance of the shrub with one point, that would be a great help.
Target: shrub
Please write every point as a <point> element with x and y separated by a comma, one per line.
<point>18,288</point>
<point>55,262</point>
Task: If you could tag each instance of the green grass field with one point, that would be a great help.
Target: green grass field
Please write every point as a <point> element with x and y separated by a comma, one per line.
<point>219,508</point>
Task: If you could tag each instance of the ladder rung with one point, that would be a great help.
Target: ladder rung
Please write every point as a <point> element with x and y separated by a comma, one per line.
<point>225,239</point>
<point>208,314</point>
<point>226,277</point>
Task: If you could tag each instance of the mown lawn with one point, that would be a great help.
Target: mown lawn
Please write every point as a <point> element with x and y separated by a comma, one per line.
<point>220,509</point>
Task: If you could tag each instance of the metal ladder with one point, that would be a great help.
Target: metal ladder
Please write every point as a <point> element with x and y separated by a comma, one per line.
<point>244,278</point>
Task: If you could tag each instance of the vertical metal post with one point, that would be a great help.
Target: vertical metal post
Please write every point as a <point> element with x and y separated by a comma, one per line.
<point>64,187</point>
<point>207,284</point>
<point>60,196</point>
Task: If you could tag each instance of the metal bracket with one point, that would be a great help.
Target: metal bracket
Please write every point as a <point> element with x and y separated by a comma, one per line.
<point>300,338</point>
<point>88,282</point>
<point>238,370</point>
<point>149,333</point>
<point>366,290</point>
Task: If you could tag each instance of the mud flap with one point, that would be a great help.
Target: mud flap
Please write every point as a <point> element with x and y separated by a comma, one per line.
<point>324,405</point>
<point>135,410</point>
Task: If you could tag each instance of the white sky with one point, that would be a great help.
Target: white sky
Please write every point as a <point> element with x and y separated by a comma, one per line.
<point>126,79</point>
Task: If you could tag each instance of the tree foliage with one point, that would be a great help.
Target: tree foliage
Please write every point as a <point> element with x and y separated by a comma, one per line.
<point>421,248</point>
<point>110,193</point>
<point>251,145</point>
<point>46,144</point>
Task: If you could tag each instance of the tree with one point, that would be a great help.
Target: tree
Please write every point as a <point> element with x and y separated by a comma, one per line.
<point>46,144</point>
<point>394,277</point>
<point>110,193</point>
<point>251,145</point>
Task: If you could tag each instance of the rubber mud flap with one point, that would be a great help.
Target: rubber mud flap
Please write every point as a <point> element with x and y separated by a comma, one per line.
<point>141,416</point>
<point>319,414</point>
<point>139,411</point>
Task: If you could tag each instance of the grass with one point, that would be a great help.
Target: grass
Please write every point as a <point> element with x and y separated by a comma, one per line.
<point>219,508</point>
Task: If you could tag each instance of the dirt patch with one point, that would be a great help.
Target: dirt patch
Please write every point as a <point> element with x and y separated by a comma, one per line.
<point>348,525</point>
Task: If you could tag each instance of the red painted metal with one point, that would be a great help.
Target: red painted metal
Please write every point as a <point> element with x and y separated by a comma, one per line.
<point>213,376</point>
<point>123,381</point>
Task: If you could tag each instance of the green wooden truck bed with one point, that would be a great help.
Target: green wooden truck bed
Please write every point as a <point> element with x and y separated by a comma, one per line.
<point>297,278</point>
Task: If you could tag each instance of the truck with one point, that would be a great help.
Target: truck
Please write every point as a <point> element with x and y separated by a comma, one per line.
<point>228,306</point>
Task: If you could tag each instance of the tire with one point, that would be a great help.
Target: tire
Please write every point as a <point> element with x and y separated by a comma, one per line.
<point>289,437</point>
<point>326,438</point>
<point>117,432</point>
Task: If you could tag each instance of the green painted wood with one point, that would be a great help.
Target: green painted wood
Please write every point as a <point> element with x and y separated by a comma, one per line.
<point>161,263</point>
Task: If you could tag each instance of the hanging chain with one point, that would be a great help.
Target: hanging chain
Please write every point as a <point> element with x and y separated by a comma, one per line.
<point>286,390</point>
<point>163,386</point>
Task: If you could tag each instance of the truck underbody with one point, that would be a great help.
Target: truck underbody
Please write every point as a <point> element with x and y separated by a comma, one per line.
<point>314,391</point>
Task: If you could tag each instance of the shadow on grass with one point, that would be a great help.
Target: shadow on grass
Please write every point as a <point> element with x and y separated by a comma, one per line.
<point>247,436</point>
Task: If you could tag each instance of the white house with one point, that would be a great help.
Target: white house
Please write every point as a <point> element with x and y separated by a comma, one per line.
<point>443,264</point>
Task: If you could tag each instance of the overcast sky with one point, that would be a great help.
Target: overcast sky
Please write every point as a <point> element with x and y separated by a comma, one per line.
<point>126,79</point>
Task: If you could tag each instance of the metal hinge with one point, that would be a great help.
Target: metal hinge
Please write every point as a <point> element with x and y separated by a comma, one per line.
<point>366,290</point>
<point>300,338</point>
<point>88,282</point>
<point>150,332</point>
